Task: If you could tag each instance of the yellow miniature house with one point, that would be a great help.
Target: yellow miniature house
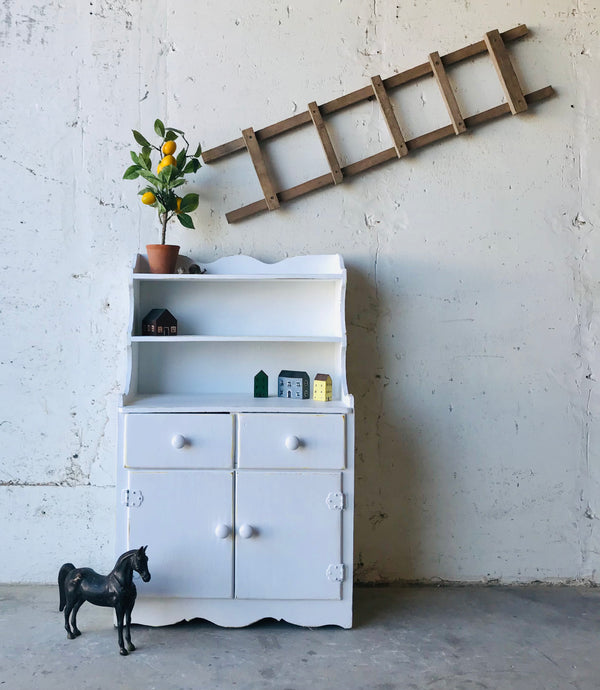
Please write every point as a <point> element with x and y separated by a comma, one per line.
<point>322,387</point>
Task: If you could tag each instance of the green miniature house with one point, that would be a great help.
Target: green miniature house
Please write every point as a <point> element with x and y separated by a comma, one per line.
<point>322,387</point>
<point>261,385</point>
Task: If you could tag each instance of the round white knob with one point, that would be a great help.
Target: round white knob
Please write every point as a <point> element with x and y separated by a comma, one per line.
<point>222,531</point>
<point>178,441</point>
<point>246,531</point>
<point>292,443</point>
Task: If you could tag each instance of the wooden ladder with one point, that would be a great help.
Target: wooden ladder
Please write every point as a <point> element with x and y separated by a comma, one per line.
<point>250,141</point>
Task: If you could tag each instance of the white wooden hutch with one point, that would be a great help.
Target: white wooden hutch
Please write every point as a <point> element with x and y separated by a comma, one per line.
<point>246,503</point>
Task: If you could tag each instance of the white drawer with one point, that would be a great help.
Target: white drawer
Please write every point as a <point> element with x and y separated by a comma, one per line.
<point>294,441</point>
<point>178,441</point>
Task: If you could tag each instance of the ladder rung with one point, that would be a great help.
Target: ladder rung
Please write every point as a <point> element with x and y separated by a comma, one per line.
<point>390,117</point>
<point>439,72</point>
<point>506,73</point>
<point>260,165</point>
<point>332,159</point>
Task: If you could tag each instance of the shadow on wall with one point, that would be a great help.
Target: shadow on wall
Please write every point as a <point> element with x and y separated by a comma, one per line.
<point>387,454</point>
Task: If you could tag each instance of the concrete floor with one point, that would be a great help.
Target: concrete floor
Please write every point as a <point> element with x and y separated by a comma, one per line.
<point>435,638</point>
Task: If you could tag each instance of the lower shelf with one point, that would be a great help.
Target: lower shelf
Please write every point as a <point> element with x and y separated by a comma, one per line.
<point>230,403</point>
<point>238,613</point>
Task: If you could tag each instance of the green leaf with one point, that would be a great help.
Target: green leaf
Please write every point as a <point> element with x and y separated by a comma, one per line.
<point>141,140</point>
<point>147,189</point>
<point>177,183</point>
<point>192,166</point>
<point>170,135</point>
<point>179,131</point>
<point>144,162</point>
<point>166,174</point>
<point>181,156</point>
<point>185,220</point>
<point>134,157</point>
<point>145,157</point>
<point>132,172</point>
<point>198,151</point>
<point>189,203</point>
<point>151,177</point>
<point>159,128</point>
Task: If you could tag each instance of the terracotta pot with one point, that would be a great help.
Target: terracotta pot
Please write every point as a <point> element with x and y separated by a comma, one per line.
<point>162,258</point>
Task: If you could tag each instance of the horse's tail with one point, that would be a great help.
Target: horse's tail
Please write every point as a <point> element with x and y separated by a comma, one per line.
<point>62,575</point>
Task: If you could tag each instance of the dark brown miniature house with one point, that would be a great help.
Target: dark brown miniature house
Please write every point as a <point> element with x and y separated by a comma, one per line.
<point>159,322</point>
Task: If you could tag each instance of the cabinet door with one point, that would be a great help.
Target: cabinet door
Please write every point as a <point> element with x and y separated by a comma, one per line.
<point>287,535</point>
<point>184,517</point>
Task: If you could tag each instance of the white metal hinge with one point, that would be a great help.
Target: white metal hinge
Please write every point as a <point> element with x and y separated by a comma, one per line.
<point>131,498</point>
<point>335,572</point>
<point>335,500</point>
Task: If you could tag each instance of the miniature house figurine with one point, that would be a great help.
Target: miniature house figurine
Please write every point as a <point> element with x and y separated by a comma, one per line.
<point>261,385</point>
<point>159,322</point>
<point>293,384</point>
<point>322,388</point>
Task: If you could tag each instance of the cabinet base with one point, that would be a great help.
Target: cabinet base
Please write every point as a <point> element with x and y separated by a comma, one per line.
<point>238,613</point>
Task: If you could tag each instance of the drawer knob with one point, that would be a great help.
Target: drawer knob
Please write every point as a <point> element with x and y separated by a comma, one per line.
<point>246,531</point>
<point>178,441</point>
<point>292,443</point>
<point>222,531</point>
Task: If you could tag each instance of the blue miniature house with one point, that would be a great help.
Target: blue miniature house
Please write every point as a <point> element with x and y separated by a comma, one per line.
<point>293,384</point>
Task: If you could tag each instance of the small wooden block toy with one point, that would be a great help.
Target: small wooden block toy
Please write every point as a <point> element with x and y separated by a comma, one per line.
<point>261,385</point>
<point>322,387</point>
<point>293,384</point>
<point>159,322</point>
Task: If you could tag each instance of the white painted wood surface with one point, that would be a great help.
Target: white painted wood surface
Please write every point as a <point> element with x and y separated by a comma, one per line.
<point>246,503</point>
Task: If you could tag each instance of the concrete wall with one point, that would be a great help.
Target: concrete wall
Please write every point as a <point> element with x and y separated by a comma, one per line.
<point>473,264</point>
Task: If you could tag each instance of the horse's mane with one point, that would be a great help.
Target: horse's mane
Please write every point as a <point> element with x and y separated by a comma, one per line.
<point>124,557</point>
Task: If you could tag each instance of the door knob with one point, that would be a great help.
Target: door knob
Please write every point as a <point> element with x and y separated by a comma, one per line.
<point>292,443</point>
<point>222,531</point>
<point>246,531</point>
<point>178,441</point>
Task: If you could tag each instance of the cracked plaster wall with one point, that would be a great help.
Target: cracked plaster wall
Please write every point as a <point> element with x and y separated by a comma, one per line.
<point>473,265</point>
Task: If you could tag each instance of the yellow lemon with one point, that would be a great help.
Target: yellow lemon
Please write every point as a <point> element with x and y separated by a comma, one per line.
<point>178,209</point>
<point>168,160</point>
<point>169,147</point>
<point>148,198</point>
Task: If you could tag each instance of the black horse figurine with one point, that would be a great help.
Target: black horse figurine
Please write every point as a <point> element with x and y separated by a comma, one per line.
<point>78,585</point>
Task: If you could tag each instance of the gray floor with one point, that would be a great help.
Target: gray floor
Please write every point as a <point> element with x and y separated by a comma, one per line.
<point>459,638</point>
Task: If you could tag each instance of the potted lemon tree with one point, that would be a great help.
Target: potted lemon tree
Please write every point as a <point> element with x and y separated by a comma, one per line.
<point>162,187</point>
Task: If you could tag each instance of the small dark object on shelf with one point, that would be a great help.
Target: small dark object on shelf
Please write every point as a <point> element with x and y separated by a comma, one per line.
<point>159,322</point>
<point>293,384</point>
<point>261,385</point>
<point>194,268</point>
<point>78,585</point>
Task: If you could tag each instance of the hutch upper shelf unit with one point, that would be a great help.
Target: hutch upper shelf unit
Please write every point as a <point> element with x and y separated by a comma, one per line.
<point>246,503</point>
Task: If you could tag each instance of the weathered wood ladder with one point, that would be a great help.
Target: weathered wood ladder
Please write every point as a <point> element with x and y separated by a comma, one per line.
<point>493,43</point>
